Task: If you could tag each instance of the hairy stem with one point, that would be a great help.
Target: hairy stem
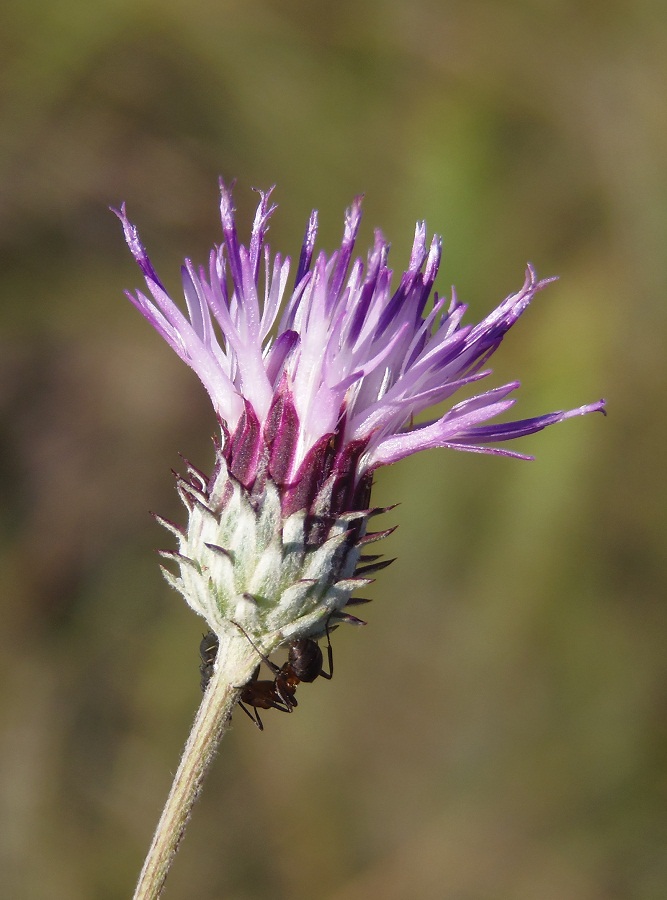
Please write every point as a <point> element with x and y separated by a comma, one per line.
<point>236,661</point>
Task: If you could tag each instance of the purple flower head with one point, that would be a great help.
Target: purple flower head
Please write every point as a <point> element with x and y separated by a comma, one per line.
<point>342,358</point>
<point>315,386</point>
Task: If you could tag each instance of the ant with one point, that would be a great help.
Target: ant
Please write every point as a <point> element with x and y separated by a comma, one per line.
<point>256,693</point>
<point>304,663</point>
<point>208,650</point>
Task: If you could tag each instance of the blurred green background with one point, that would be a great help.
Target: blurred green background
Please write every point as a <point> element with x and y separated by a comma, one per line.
<point>498,730</point>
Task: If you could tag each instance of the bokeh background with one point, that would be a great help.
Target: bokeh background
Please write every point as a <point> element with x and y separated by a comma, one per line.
<point>498,730</point>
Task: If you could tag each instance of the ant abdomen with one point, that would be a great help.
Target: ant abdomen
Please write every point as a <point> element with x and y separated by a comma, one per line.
<point>304,660</point>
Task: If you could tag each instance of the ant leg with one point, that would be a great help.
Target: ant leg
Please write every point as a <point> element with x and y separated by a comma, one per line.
<point>274,668</point>
<point>328,674</point>
<point>256,719</point>
<point>284,706</point>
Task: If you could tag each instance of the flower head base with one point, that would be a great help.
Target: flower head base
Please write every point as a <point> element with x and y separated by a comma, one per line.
<point>314,389</point>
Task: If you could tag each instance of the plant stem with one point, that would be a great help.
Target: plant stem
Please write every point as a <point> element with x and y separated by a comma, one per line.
<point>236,661</point>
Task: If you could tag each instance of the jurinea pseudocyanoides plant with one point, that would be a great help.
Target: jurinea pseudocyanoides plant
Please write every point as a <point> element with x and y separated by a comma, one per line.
<point>315,386</point>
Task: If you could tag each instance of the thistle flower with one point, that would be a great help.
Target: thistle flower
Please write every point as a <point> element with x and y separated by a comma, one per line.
<point>314,389</point>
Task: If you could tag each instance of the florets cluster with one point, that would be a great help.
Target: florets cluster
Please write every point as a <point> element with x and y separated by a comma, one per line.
<point>314,389</point>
